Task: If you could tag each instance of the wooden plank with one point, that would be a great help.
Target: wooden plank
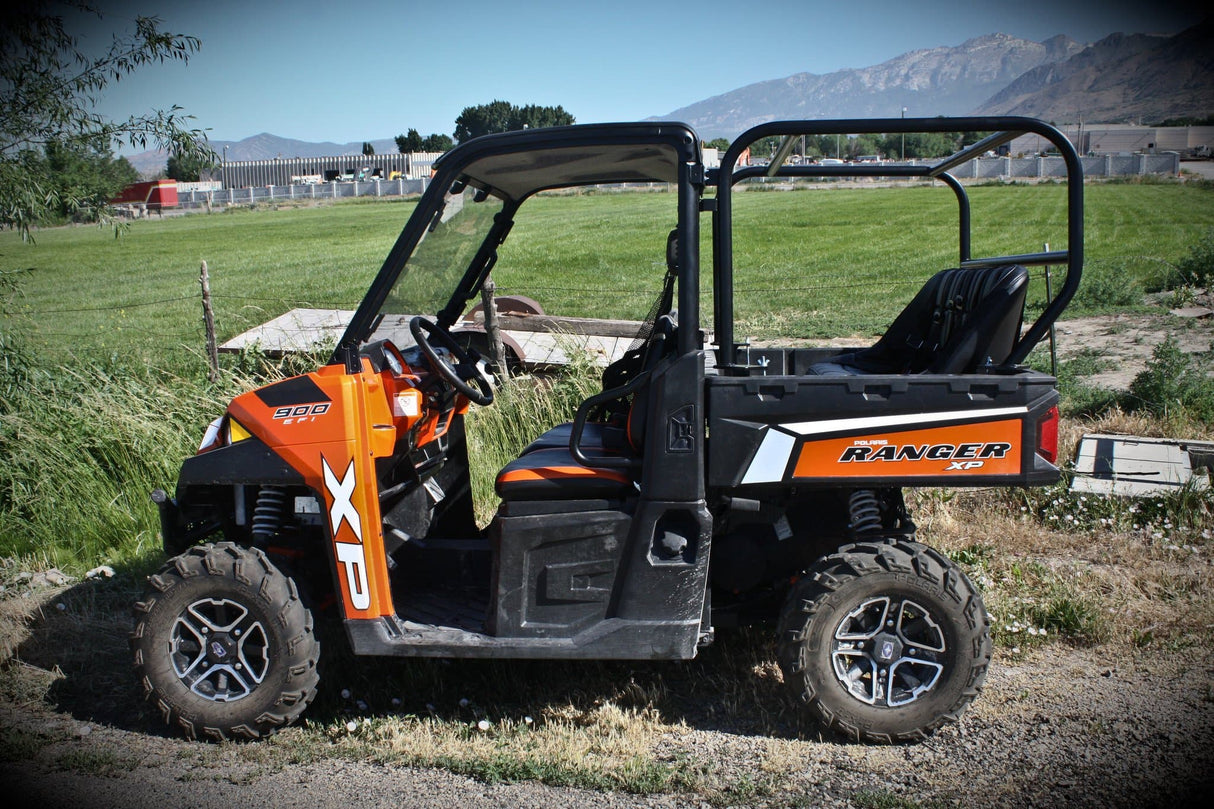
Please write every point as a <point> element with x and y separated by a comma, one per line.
<point>298,330</point>
<point>302,330</point>
<point>1136,466</point>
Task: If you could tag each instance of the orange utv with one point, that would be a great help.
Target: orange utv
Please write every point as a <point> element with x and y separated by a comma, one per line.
<point>710,484</point>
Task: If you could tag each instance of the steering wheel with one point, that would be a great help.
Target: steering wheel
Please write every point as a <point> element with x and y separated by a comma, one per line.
<point>464,371</point>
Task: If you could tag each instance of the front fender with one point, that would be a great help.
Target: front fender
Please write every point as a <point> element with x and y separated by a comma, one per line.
<point>205,485</point>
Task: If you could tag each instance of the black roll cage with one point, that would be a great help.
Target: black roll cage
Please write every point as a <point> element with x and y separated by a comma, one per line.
<point>691,178</point>
<point>1006,129</point>
<point>451,169</point>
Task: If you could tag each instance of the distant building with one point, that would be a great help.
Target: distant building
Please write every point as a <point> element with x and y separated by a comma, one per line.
<point>308,170</point>
<point>1104,139</point>
<point>150,195</point>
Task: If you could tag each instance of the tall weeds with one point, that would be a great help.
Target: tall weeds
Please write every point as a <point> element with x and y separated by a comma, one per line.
<point>81,448</point>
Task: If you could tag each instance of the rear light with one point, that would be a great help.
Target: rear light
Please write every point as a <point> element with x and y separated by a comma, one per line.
<point>1047,435</point>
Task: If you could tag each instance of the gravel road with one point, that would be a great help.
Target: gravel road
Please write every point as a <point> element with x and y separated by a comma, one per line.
<point>1062,727</point>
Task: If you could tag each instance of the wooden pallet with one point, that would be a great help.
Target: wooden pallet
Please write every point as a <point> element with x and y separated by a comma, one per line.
<point>543,340</point>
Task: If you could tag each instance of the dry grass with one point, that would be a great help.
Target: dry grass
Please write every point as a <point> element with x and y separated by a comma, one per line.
<point>1100,570</point>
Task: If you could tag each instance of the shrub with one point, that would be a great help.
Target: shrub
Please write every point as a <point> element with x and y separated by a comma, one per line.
<point>1197,268</point>
<point>1172,385</point>
<point>1110,289</point>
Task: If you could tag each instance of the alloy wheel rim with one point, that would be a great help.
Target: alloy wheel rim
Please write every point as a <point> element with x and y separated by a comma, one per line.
<point>888,652</point>
<point>219,650</point>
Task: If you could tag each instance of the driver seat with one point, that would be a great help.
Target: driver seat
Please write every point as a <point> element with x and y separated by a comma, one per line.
<point>547,469</point>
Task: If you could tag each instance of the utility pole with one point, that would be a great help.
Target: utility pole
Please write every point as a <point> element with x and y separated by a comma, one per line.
<point>902,159</point>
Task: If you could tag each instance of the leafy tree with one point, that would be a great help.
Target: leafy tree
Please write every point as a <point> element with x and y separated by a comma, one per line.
<point>483,120</point>
<point>533,116</point>
<point>187,168</point>
<point>79,174</point>
<point>502,116</point>
<point>49,88</point>
<point>411,142</point>
<point>368,149</point>
<point>437,143</point>
<point>919,144</point>
<point>721,144</point>
<point>414,142</point>
<point>862,145</point>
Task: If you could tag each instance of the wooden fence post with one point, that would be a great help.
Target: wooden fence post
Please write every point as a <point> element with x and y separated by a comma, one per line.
<point>497,353</point>
<point>208,317</point>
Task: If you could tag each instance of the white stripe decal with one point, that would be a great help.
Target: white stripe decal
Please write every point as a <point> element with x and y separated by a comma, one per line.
<point>771,459</point>
<point>876,422</point>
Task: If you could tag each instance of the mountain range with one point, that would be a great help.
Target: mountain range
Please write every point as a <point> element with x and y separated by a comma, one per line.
<point>1123,78</point>
<point>1120,79</point>
<point>928,82</point>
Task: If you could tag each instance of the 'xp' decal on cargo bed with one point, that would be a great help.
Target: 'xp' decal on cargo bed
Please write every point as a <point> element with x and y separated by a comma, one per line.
<point>343,511</point>
<point>988,448</point>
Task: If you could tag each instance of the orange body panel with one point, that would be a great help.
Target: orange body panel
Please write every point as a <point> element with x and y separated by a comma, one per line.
<point>989,448</point>
<point>334,442</point>
<point>558,472</point>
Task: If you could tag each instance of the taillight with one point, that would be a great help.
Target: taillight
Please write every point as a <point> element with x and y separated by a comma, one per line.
<point>1047,435</point>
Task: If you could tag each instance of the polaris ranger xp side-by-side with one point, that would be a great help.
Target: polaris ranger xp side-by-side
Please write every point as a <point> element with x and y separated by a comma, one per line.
<point>711,483</point>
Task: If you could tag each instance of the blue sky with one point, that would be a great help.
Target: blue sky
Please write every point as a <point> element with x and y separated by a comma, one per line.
<point>320,70</point>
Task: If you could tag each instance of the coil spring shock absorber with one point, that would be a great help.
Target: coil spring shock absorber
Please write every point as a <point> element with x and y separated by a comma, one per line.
<point>865,509</point>
<point>270,511</point>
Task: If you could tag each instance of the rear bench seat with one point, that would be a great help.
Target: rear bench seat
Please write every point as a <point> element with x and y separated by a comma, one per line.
<point>960,321</point>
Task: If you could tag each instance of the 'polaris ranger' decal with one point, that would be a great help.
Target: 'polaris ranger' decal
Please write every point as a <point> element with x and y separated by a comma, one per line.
<point>987,448</point>
<point>349,554</point>
<point>779,445</point>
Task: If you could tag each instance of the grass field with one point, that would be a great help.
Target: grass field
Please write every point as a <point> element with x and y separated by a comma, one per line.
<point>808,263</point>
<point>111,327</point>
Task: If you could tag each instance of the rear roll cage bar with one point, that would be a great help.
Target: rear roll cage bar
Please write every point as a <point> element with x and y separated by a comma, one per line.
<point>1006,129</point>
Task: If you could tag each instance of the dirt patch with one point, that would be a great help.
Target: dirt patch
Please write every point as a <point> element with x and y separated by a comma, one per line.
<point>1057,725</point>
<point>1122,344</point>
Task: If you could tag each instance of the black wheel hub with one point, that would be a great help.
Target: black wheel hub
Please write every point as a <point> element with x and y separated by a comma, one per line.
<point>220,649</point>
<point>886,648</point>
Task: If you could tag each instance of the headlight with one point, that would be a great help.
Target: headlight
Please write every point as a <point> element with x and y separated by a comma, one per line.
<point>223,431</point>
<point>210,438</point>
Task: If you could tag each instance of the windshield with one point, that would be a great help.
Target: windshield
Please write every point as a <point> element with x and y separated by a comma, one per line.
<point>439,261</point>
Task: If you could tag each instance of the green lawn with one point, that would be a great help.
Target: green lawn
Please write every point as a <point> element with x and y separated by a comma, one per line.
<point>808,263</point>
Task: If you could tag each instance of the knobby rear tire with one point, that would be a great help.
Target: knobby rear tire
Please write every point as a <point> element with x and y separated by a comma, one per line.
<point>827,651</point>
